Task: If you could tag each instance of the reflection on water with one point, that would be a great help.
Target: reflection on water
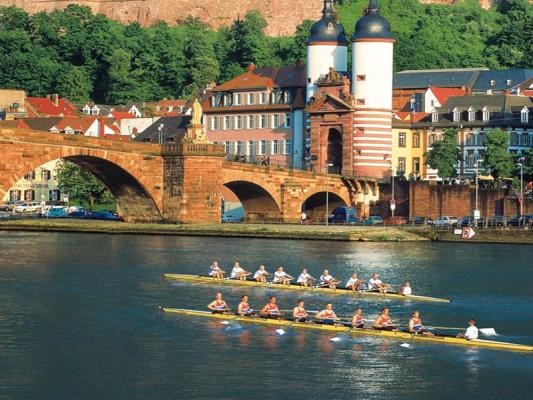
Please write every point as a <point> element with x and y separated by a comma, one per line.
<point>79,319</point>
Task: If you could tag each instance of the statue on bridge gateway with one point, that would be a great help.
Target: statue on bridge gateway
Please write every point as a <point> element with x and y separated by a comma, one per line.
<point>195,130</point>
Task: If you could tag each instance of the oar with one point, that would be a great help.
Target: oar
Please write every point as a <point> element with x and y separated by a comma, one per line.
<point>485,331</point>
<point>309,311</point>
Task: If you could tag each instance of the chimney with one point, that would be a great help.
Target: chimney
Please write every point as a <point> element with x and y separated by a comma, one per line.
<point>101,128</point>
<point>55,99</point>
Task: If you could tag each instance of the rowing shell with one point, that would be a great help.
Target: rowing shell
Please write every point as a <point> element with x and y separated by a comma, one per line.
<point>356,331</point>
<point>330,291</point>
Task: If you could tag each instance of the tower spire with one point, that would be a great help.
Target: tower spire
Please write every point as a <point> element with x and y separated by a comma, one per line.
<point>329,10</point>
<point>373,5</point>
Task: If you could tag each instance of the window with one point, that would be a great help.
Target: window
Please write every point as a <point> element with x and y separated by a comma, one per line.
<point>530,140</point>
<point>239,148</point>
<point>238,122</point>
<point>227,122</point>
<point>227,100</point>
<point>432,103</point>
<point>250,122</point>
<point>275,121</point>
<point>262,98</point>
<point>524,115</point>
<point>471,114</point>
<point>262,121</point>
<point>416,140</point>
<point>287,98</point>
<point>237,99</point>
<point>214,124</point>
<point>434,116</point>
<point>276,148</point>
<point>94,111</point>
<point>401,139</point>
<point>263,148</point>
<point>276,97</point>
<point>361,78</point>
<point>486,114</point>
<point>288,120</point>
<point>288,147</point>
<point>86,110</point>
<point>456,115</point>
<point>14,195</point>
<point>360,102</point>
<point>416,165</point>
<point>401,164</point>
<point>45,175</point>
<point>214,100</point>
<point>251,99</point>
<point>470,158</point>
<point>227,146</point>
<point>54,195</point>
<point>30,175</point>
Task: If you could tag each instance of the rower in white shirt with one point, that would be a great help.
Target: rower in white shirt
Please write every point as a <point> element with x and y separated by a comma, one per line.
<point>304,279</point>
<point>353,283</point>
<point>215,271</point>
<point>238,272</point>
<point>261,274</point>
<point>471,332</point>
<point>374,283</point>
<point>327,280</point>
<point>282,277</point>
<point>405,289</point>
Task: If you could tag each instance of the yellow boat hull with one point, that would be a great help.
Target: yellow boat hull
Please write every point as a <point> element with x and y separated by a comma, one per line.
<point>355,331</point>
<point>197,279</point>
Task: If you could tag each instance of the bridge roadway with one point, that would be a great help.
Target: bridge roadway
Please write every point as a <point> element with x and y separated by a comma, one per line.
<point>179,182</point>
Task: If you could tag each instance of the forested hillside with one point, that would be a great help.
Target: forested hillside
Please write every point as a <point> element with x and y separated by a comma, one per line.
<point>84,56</point>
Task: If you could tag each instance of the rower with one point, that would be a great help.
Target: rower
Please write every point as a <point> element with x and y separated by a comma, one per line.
<point>282,277</point>
<point>299,312</point>
<point>244,307</point>
<point>270,310</point>
<point>304,279</point>
<point>471,332</point>
<point>353,283</point>
<point>384,321</point>
<point>327,280</point>
<point>415,325</point>
<point>405,289</point>
<point>261,274</point>
<point>218,306</point>
<point>357,320</point>
<point>215,271</point>
<point>327,315</point>
<point>238,272</point>
<point>374,283</point>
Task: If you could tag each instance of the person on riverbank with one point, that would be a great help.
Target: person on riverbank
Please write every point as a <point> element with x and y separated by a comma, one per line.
<point>415,325</point>
<point>299,312</point>
<point>219,305</point>
<point>384,321</point>
<point>270,310</point>
<point>281,277</point>
<point>304,279</point>
<point>261,274</point>
<point>357,320</point>
<point>471,332</point>
<point>215,271</point>
<point>353,283</point>
<point>238,272</point>
<point>405,289</point>
<point>374,283</point>
<point>244,307</point>
<point>327,315</point>
<point>327,280</point>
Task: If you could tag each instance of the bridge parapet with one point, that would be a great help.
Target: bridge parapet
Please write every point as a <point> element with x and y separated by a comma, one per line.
<point>193,149</point>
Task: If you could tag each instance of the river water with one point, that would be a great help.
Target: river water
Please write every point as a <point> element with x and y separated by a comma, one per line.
<point>79,320</point>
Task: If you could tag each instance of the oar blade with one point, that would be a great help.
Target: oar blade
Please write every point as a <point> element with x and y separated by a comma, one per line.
<point>488,331</point>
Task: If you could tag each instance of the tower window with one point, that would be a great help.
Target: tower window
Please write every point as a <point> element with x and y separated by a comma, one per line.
<point>361,78</point>
<point>401,139</point>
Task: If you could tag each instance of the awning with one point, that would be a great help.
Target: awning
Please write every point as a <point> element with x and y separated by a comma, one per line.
<point>485,177</point>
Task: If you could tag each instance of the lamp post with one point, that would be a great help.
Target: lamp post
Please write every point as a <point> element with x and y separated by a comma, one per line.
<point>160,130</point>
<point>327,192</point>
<point>521,198</point>
<point>477,214</point>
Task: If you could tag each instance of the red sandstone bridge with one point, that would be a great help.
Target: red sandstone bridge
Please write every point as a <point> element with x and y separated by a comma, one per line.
<point>178,183</point>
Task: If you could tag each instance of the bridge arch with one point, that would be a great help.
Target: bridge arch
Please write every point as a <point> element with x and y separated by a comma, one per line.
<point>315,203</point>
<point>257,202</point>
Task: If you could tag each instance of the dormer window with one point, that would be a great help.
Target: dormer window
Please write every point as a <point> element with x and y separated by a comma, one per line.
<point>471,114</point>
<point>227,100</point>
<point>486,114</point>
<point>237,99</point>
<point>434,116</point>
<point>262,98</point>
<point>214,100</point>
<point>287,97</point>
<point>456,115</point>
<point>251,99</point>
<point>94,110</point>
<point>524,115</point>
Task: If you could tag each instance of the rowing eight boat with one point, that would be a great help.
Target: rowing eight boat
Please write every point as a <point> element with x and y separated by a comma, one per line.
<point>338,291</point>
<point>355,331</point>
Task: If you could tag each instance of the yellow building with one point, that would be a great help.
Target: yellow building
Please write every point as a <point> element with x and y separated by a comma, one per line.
<point>408,148</point>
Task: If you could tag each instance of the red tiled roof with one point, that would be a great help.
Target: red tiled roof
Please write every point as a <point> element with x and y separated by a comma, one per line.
<point>442,94</point>
<point>42,106</point>
<point>262,78</point>
<point>76,123</point>
<point>402,117</point>
<point>173,103</point>
<point>122,115</point>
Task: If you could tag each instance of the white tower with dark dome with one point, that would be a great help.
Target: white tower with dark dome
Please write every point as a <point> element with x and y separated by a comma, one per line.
<point>326,47</point>
<point>372,46</point>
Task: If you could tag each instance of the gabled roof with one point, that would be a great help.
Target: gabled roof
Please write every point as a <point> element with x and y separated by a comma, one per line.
<point>500,103</point>
<point>80,124</point>
<point>505,79</point>
<point>43,106</point>
<point>41,123</point>
<point>442,94</point>
<point>266,78</point>
<point>328,103</point>
<point>420,79</point>
<point>122,115</point>
<point>173,128</point>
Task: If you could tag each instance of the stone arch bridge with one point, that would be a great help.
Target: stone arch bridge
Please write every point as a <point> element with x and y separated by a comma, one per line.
<point>179,183</point>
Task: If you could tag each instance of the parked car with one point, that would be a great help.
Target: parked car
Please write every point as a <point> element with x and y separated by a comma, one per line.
<point>77,214</point>
<point>8,207</point>
<point>373,220</point>
<point>28,207</point>
<point>498,220</point>
<point>419,221</point>
<point>106,215</point>
<point>343,215</point>
<point>444,221</point>
<point>396,220</point>
<point>228,218</point>
<point>55,212</point>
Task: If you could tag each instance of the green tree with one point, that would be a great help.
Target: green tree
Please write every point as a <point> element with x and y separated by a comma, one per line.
<point>75,84</point>
<point>82,186</point>
<point>498,161</point>
<point>528,162</point>
<point>444,154</point>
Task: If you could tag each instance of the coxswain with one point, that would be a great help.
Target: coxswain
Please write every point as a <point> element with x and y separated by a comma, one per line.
<point>244,307</point>
<point>215,271</point>
<point>471,332</point>
<point>238,272</point>
<point>357,320</point>
<point>415,325</point>
<point>299,312</point>
<point>327,315</point>
<point>304,279</point>
<point>374,283</point>
<point>282,277</point>
<point>270,310</point>
<point>405,289</point>
<point>353,283</point>
<point>261,274</point>
<point>384,321</point>
<point>218,306</point>
<point>327,280</point>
